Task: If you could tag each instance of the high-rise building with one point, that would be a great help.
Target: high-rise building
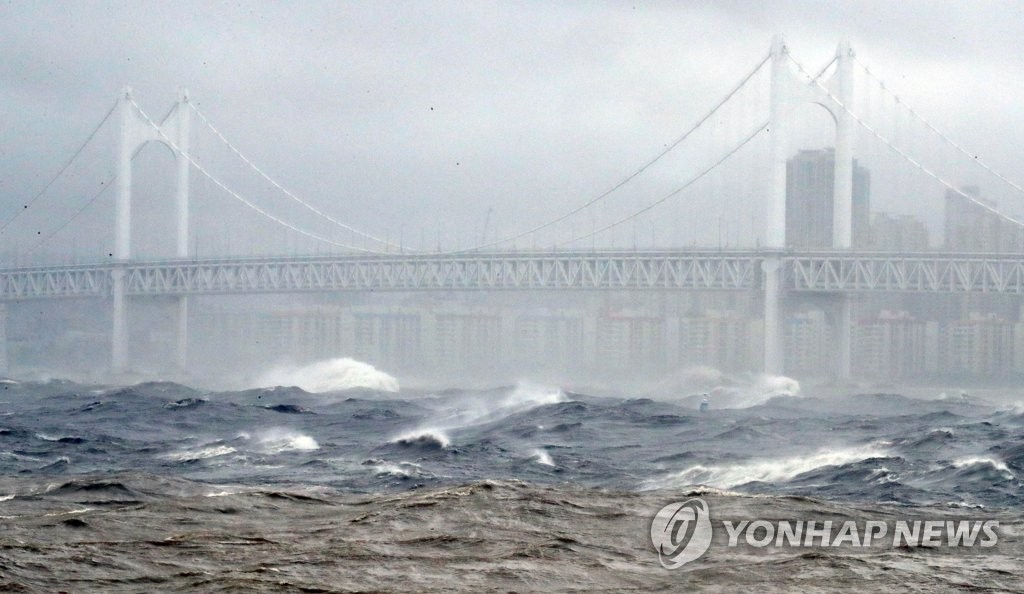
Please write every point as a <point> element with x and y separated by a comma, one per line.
<point>467,339</point>
<point>810,178</point>
<point>807,340</point>
<point>388,338</point>
<point>981,345</point>
<point>630,340</point>
<point>548,339</point>
<point>889,346</point>
<point>970,227</point>
<point>898,233</point>
<point>716,338</point>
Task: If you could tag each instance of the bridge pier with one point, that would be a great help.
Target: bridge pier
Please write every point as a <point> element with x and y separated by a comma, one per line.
<point>119,338</point>
<point>4,362</point>
<point>182,350</point>
<point>183,164</point>
<point>773,345</point>
<point>843,330</point>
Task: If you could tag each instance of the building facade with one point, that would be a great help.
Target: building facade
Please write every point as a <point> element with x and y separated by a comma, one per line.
<point>810,179</point>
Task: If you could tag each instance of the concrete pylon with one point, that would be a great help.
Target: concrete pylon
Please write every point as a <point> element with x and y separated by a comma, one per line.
<point>5,368</point>
<point>788,90</point>
<point>135,132</point>
<point>842,205</point>
<point>776,230</point>
<point>182,113</point>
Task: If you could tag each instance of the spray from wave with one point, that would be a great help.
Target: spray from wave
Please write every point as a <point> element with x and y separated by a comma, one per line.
<point>765,387</point>
<point>285,440</point>
<point>769,471</point>
<point>542,457</point>
<point>974,462</point>
<point>201,453</point>
<point>469,410</point>
<point>483,409</point>
<point>690,385</point>
<point>427,438</point>
<point>331,375</point>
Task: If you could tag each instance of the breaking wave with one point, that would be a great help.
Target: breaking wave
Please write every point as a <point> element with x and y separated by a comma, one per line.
<point>332,375</point>
<point>203,453</point>
<point>470,411</point>
<point>765,471</point>
<point>425,438</point>
<point>543,457</point>
<point>285,440</point>
<point>976,462</point>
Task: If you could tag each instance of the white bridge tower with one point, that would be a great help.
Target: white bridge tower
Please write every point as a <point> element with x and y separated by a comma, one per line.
<point>790,90</point>
<point>135,132</point>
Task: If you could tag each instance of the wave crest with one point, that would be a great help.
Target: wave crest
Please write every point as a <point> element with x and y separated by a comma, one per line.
<point>284,440</point>
<point>426,438</point>
<point>769,471</point>
<point>332,375</point>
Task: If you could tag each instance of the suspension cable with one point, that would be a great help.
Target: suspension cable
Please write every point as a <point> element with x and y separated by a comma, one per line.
<point>286,192</point>
<point>759,129</point>
<point>106,186</point>
<point>62,169</point>
<point>938,132</point>
<point>236,195</point>
<point>901,153</point>
<point>735,89</point>
<point>77,213</point>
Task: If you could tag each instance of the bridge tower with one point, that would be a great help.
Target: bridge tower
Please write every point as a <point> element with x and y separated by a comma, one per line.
<point>173,132</point>
<point>789,90</point>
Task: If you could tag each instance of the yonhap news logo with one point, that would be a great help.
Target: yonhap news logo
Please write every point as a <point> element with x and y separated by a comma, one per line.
<point>681,532</point>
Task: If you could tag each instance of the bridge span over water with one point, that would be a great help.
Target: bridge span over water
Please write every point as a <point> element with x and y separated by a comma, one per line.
<point>710,270</point>
<point>835,269</point>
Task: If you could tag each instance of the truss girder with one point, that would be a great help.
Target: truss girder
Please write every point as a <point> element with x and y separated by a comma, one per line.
<point>694,270</point>
<point>946,273</point>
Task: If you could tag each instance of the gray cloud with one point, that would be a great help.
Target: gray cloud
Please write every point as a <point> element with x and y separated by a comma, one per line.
<point>413,117</point>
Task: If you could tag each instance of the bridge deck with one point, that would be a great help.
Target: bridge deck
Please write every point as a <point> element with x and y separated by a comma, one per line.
<point>621,270</point>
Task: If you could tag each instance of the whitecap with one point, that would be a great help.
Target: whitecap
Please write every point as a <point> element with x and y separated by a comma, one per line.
<point>543,457</point>
<point>978,461</point>
<point>331,375</point>
<point>401,470</point>
<point>476,410</point>
<point>423,437</point>
<point>200,454</point>
<point>284,440</point>
<point>763,470</point>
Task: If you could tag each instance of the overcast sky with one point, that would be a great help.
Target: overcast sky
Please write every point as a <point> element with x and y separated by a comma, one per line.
<point>413,119</point>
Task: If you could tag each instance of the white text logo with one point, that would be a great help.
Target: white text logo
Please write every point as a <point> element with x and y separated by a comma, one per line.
<point>681,532</point>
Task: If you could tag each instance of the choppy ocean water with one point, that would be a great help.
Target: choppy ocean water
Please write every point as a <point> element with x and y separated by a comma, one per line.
<point>162,486</point>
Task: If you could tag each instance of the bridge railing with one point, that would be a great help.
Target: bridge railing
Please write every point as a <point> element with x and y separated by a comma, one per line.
<point>929,272</point>
<point>821,271</point>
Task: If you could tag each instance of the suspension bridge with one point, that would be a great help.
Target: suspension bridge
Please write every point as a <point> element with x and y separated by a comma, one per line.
<point>772,269</point>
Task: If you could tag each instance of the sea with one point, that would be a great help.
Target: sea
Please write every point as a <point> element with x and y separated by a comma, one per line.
<point>317,486</point>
